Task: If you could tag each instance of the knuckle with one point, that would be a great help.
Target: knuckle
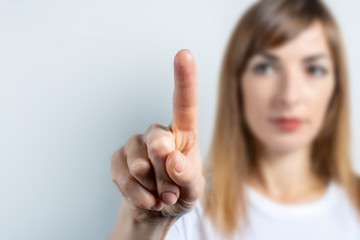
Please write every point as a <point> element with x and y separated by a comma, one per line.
<point>140,168</point>
<point>144,202</point>
<point>116,162</point>
<point>155,126</point>
<point>160,145</point>
<point>133,140</point>
<point>117,154</point>
<point>126,185</point>
<point>121,182</point>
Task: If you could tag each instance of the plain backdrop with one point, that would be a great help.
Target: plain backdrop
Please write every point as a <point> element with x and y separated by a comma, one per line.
<point>78,77</point>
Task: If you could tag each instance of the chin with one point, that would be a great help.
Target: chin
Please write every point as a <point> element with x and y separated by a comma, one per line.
<point>285,144</point>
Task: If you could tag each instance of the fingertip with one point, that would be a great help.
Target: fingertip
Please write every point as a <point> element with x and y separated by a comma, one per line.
<point>185,68</point>
<point>179,162</point>
<point>183,54</point>
<point>176,165</point>
<point>176,162</point>
<point>169,198</point>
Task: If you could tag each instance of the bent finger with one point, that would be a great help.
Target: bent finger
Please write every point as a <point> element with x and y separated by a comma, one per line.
<point>160,143</point>
<point>128,185</point>
<point>139,165</point>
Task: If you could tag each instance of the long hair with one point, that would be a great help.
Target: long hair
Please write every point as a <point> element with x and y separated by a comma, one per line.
<point>267,24</point>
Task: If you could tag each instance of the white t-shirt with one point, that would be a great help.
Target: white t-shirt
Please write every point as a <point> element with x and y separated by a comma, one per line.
<point>331,217</point>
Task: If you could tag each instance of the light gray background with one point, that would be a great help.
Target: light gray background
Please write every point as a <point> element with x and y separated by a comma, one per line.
<point>78,77</point>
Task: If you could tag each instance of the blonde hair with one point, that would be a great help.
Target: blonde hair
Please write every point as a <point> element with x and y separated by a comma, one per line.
<point>233,150</point>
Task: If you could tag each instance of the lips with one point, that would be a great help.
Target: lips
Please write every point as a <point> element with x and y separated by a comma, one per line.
<point>287,123</point>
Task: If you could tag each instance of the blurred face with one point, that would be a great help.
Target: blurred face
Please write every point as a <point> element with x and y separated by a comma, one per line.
<point>287,91</point>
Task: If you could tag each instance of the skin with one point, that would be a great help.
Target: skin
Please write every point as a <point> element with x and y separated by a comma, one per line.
<point>147,169</point>
<point>159,172</point>
<point>297,80</point>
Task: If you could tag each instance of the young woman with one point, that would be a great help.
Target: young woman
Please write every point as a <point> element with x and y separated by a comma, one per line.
<point>279,164</point>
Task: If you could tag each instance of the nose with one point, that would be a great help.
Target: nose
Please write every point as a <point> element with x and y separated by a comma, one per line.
<point>289,89</point>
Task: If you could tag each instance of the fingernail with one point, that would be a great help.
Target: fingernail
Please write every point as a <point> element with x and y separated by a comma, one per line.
<point>180,164</point>
<point>169,198</point>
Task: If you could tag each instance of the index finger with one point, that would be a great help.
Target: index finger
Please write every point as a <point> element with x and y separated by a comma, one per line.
<point>185,97</point>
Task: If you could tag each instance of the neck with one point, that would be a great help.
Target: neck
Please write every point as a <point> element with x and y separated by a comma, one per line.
<point>287,177</point>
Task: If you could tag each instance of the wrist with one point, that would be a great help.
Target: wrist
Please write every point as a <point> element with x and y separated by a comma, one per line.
<point>129,228</point>
<point>153,229</point>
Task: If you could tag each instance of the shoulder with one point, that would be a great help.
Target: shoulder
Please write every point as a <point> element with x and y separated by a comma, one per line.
<point>345,208</point>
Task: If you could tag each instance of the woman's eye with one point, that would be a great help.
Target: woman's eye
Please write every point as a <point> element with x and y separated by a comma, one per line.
<point>316,71</point>
<point>263,68</point>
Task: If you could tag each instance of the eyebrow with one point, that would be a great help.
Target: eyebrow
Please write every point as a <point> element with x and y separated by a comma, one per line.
<point>269,56</point>
<point>314,57</point>
<point>272,57</point>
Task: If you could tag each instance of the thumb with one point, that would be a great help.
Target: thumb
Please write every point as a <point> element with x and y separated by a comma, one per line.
<point>186,173</point>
